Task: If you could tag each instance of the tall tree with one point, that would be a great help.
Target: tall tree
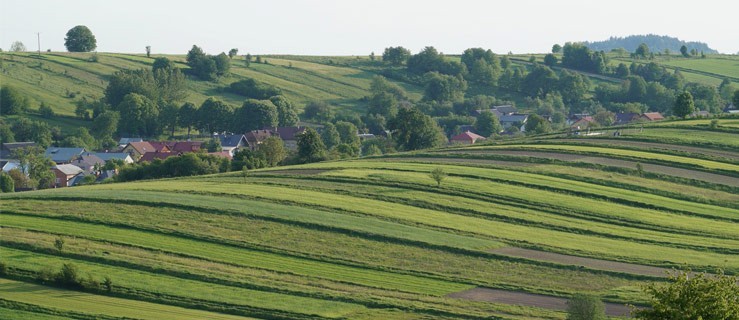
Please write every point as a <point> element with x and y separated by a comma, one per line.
<point>12,101</point>
<point>310,147</point>
<point>550,60</point>
<point>537,124</point>
<point>442,87</point>
<point>287,116</point>
<point>556,48</point>
<point>80,39</point>
<point>105,124</point>
<point>188,116</point>
<point>214,116</point>
<point>17,46</point>
<point>232,53</point>
<point>642,51</point>
<point>540,81</point>
<point>413,130</point>
<point>487,124</point>
<point>684,105</point>
<point>162,63</point>
<point>735,99</point>
<point>273,150</point>
<point>148,51</point>
<point>124,82</point>
<point>255,115</point>
<point>684,51</point>
<point>319,111</point>
<point>573,86</point>
<point>169,114</point>
<point>139,115</point>
<point>396,55</point>
<point>330,136</point>
<point>25,129</point>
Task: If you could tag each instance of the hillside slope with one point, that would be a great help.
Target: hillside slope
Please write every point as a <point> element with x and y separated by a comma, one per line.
<point>526,222</point>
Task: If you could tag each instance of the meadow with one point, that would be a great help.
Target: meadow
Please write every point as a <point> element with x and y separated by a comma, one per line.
<point>378,237</point>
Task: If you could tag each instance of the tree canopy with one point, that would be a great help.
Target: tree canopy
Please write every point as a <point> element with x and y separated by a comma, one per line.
<point>413,130</point>
<point>80,39</point>
<point>311,147</point>
<point>684,105</point>
<point>254,115</point>
<point>396,55</point>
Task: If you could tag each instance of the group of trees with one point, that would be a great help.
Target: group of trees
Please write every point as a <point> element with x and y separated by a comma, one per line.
<point>207,67</point>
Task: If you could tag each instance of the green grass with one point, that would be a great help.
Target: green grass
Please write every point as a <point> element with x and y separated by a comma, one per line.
<point>707,164</point>
<point>66,301</point>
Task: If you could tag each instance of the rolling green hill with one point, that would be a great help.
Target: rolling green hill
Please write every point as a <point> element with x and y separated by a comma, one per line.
<point>512,231</point>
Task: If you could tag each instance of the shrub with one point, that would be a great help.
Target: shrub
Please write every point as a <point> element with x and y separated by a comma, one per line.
<point>59,244</point>
<point>585,307</point>
<point>68,276</point>
<point>253,89</point>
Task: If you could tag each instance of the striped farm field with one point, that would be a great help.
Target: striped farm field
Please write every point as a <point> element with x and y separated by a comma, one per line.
<point>505,234</point>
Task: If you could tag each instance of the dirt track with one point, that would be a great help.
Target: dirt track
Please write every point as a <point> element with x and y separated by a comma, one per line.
<point>580,261</point>
<point>530,300</point>
<point>672,171</point>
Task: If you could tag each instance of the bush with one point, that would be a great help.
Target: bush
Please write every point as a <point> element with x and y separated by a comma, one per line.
<point>68,276</point>
<point>585,307</point>
<point>253,89</point>
<point>46,111</point>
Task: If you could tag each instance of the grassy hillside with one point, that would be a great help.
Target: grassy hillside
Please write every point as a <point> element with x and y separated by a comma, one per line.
<point>512,231</point>
<point>61,79</point>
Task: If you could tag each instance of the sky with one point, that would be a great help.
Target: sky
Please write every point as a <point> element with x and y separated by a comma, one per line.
<point>351,27</point>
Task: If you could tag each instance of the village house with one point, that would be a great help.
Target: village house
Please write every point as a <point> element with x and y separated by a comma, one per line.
<point>518,120</point>
<point>123,142</point>
<point>63,155</point>
<point>65,174</point>
<point>232,143</point>
<point>289,135</point>
<point>651,116</point>
<point>626,118</point>
<point>137,149</point>
<point>150,156</point>
<point>7,149</point>
<point>107,156</point>
<point>89,163</point>
<point>466,137</point>
<point>255,137</point>
<point>583,122</point>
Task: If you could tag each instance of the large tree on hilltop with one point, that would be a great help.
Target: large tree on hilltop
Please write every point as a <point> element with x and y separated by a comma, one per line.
<point>80,39</point>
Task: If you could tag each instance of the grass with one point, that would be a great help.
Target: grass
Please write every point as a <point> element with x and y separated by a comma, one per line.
<point>65,301</point>
<point>377,237</point>
<point>706,164</point>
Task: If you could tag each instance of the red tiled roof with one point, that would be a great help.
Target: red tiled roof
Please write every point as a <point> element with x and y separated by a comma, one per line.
<point>467,136</point>
<point>186,146</point>
<point>653,116</point>
<point>223,154</point>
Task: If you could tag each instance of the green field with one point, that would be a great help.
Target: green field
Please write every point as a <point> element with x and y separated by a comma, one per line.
<point>377,237</point>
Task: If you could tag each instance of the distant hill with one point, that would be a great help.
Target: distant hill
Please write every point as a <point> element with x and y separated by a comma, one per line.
<point>656,44</point>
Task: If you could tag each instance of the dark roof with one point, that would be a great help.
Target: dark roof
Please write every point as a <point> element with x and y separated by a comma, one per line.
<point>505,109</point>
<point>61,155</point>
<point>513,118</point>
<point>106,174</point>
<point>287,133</point>
<point>6,150</point>
<point>624,118</point>
<point>255,137</point>
<point>232,141</point>
<point>125,141</point>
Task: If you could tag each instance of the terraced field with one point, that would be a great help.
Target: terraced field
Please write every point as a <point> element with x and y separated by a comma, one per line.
<point>510,233</point>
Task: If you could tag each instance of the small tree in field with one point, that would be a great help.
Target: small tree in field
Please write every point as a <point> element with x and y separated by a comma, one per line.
<point>639,169</point>
<point>108,284</point>
<point>585,307</point>
<point>148,51</point>
<point>244,172</point>
<point>59,244</point>
<point>438,175</point>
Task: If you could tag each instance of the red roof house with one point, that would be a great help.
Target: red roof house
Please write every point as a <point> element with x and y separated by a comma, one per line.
<point>652,116</point>
<point>466,138</point>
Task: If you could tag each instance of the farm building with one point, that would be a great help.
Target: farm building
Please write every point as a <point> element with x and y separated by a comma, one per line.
<point>466,138</point>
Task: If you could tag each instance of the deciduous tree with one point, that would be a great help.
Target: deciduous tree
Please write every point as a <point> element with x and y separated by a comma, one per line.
<point>273,150</point>
<point>255,114</point>
<point>80,39</point>
<point>487,124</point>
<point>310,147</point>
<point>396,55</point>
<point>585,307</point>
<point>413,130</point>
<point>684,105</point>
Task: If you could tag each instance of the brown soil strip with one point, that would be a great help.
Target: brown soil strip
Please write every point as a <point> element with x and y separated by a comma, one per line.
<point>580,261</point>
<point>530,300</point>
<point>672,171</point>
<point>658,146</point>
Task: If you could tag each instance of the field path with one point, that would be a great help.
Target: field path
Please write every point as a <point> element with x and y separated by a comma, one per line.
<point>530,300</point>
<point>96,304</point>
<point>671,171</point>
<point>580,261</point>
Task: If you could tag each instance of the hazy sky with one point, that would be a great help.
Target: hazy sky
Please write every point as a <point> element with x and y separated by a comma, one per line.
<point>334,27</point>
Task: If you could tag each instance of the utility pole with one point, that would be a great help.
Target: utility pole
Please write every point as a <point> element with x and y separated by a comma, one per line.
<point>38,35</point>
